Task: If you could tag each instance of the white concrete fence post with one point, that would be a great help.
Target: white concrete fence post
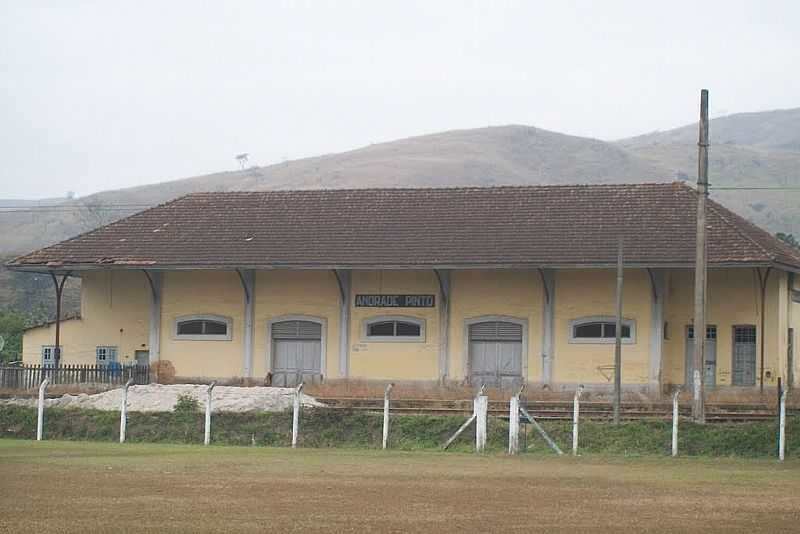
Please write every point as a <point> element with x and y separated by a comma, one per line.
<point>513,425</point>
<point>386,415</point>
<point>782,429</point>
<point>123,411</point>
<point>40,417</point>
<point>298,392</point>
<point>207,436</point>
<point>481,408</point>
<point>576,408</point>
<point>675,417</point>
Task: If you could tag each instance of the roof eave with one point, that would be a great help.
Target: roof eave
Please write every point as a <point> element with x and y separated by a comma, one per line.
<point>73,268</point>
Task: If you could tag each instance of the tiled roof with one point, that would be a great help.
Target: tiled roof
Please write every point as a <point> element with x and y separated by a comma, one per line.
<point>532,226</point>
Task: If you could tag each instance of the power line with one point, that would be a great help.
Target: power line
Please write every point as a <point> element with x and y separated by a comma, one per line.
<point>754,188</point>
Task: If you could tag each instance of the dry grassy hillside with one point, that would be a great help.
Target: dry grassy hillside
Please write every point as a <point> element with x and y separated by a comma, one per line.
<point>747,149</point>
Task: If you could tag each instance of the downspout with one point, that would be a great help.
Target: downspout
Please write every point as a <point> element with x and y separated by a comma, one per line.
<point>762,280</point>
<point>59,291</point>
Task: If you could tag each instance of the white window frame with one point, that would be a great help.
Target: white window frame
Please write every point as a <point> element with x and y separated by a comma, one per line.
<point>366,323</point>
<point>630,323</point>
<point>52,356</point>
<point>203,337</point>
<point>110,350</point>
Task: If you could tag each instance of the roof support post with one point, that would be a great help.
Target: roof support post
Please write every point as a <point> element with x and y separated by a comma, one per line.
<point>443,276</point>
<point>657,282</point>
<point>343,279</point>
<point>763,278</point>
<point>59,286</point>
<point>248,280</point>
<point>155,278</point>
<point>548,277</point>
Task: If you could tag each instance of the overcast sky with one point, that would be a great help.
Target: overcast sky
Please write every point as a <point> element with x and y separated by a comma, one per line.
<point>101,95</point>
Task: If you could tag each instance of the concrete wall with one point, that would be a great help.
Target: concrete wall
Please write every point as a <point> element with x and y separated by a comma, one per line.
<point>115,311</point>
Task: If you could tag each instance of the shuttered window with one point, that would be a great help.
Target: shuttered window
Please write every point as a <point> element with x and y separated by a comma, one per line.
<point>393,329</point>
<point>495,331</point>
<point>296,330</point>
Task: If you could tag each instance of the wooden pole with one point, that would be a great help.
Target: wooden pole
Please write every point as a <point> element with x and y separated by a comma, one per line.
<point>618,340</point>
<point>698,360</point>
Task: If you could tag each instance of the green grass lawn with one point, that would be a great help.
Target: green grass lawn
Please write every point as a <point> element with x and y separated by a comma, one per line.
<point>56,486</point>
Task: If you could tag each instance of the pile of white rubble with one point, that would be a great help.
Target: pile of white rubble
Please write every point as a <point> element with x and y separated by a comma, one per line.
<point>162,398</point>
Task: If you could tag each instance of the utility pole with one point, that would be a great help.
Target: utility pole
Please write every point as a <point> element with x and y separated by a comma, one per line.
<point>700,268</point>
<point>618,342</point>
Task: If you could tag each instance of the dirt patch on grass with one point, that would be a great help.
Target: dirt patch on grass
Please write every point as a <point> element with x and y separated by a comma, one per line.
<point>154,488</point>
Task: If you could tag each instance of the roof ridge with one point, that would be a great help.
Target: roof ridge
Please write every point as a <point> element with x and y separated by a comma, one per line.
<point>448,188</point>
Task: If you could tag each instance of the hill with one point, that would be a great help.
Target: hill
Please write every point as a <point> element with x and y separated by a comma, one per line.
<point>777,129</point>
<point>749,148</point>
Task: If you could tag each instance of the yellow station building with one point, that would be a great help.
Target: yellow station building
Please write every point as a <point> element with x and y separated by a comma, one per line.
<point>430,287</point>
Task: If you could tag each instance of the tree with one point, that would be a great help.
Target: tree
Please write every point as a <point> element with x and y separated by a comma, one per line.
<point>789,239</point>
<point>12,326</point>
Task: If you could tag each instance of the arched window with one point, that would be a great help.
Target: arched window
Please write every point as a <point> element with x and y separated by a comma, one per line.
<point>203,327</point>
<point>393,328</point>
<point>601,330</point>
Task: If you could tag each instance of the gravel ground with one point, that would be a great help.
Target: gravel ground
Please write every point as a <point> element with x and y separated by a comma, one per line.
<point>162,398</point>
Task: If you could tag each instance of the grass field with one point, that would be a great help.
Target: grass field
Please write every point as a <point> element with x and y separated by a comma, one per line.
<point>96,487</point>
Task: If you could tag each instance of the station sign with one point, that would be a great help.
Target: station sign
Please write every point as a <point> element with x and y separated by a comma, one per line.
<point>395,301</point>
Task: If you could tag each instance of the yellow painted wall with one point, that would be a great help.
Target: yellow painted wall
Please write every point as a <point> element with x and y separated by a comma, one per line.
<point>390,360</point>
<point>591,292</point>
<point>114,312</point>
<point>733,299</point>
<point>477,293</point>
<point>311,293</point>
<point>201,292</point>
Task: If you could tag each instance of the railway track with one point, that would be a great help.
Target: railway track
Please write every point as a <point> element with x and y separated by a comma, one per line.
<point>556,410</point>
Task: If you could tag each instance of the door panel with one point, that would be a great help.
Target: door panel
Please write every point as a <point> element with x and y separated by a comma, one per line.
<point>710,373</point>
<point>296,353</point>
<point>744,356</point>
<point>495,354</point>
